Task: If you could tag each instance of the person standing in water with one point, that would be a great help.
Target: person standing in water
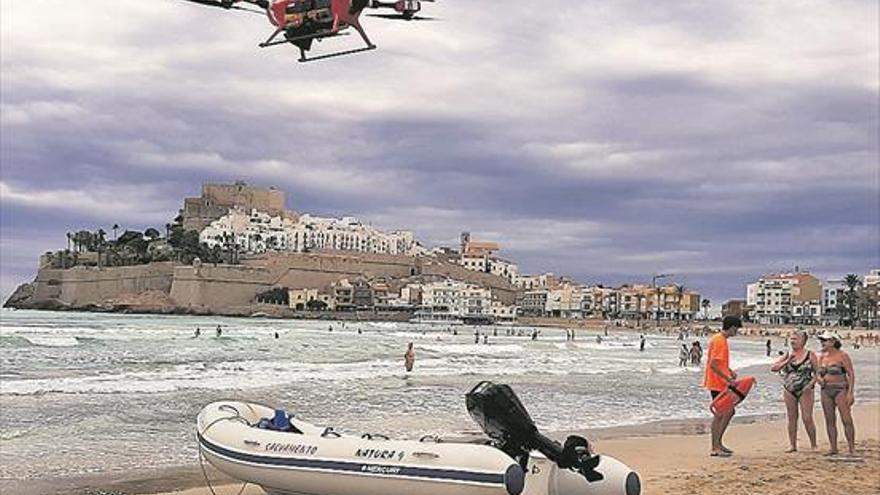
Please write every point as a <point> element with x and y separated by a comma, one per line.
<point>683,355</point>
<point>198,332</point>
<point>409,359</point>
<point>718,377</point>
<point>642,343</point>
<point>219,331</point>
<point>769,346</point>
<point>798,370</point>
<point>696,353</point>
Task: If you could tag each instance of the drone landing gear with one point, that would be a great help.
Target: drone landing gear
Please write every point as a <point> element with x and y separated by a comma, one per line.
<point>304,58</point>
<point>304,42</point>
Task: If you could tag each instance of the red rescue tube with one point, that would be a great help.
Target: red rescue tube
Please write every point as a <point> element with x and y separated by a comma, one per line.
<point>736,393</point>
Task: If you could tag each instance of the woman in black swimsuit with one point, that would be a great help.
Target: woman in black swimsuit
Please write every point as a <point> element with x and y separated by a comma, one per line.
<point>838,381</point>
<point>798,370</point>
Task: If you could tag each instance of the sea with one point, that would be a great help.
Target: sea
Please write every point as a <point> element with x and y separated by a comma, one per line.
<point>85,393</point>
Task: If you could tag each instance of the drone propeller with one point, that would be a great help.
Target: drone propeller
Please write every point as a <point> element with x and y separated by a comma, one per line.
<point>229,4</point>
<point>211,3</point>
<point>402,17</point>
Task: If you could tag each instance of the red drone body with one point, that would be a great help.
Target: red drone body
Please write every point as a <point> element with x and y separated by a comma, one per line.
<point>301,22</point>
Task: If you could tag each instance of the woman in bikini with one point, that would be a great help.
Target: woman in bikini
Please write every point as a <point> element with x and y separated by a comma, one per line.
<point>798,370</point>
<point>838,381</point>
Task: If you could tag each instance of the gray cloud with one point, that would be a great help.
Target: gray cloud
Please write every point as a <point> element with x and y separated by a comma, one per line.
<point>606,141</point>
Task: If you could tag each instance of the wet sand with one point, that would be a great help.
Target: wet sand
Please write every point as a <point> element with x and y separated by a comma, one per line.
<point>671,457</point>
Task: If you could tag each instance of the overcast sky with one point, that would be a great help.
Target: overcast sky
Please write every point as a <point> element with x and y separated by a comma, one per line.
<point>715,140</point>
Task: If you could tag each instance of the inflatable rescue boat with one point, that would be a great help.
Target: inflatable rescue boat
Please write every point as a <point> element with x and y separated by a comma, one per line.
<point>287,456</point>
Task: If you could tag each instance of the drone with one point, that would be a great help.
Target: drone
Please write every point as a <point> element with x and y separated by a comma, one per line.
<point>302,22</point>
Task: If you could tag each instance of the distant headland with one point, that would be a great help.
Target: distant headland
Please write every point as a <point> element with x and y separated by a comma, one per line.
<point>238,250</point>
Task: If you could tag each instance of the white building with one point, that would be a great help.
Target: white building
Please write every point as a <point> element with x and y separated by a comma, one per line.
<point>453,299</point>
<point>833,292</point>
<point>257,232</point>
<point>490,264</point>
<point>752,294</point>
<point>503,312</point>
<point>533,282</point>
<point>787,298</point>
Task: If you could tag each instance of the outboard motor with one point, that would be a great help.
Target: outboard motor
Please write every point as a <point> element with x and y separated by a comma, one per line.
<point>501,415</point>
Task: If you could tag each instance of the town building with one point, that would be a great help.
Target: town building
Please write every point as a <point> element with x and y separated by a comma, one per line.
<point>455,300</point>
<point>735,307</point>
<point>255,232</point>
<point>788,298</point>
<point>534,302</point>
<point>833,303</point>
<point>531,282</point>
<point>871,298</point>
<point>480,257</point>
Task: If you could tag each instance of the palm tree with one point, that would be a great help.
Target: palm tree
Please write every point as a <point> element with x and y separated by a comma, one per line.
<point>679,291</point>
<point>853,284</point>
<point>706,305</point>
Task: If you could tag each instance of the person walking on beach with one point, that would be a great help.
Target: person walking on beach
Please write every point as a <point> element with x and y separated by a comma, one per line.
<point>798,370</point>
<point>769,347</point>
<point>718,377</point>
<point>409,359</point>
<point>837,379</point>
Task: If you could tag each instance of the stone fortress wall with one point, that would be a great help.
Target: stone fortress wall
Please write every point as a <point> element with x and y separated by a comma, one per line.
<point>216,288</point>
<point>80,286</point>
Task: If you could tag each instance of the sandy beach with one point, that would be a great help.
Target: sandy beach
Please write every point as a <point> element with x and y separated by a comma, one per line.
<point>759,465</point>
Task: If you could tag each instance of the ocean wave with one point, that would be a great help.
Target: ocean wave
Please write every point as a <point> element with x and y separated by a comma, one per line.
<point>474,349</point>
<point>52,341</point>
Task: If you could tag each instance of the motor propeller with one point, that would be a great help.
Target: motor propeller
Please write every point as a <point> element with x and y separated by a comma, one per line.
<point>501,415</point>
<point>403,17</point>
<point>405,10</point>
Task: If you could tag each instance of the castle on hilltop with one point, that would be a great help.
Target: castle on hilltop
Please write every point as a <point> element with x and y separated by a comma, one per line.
<point>217,200</point>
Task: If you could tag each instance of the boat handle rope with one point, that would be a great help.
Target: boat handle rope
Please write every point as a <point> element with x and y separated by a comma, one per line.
<point>238,417</point>
<point>330,432</point>
<point>370,436</point>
